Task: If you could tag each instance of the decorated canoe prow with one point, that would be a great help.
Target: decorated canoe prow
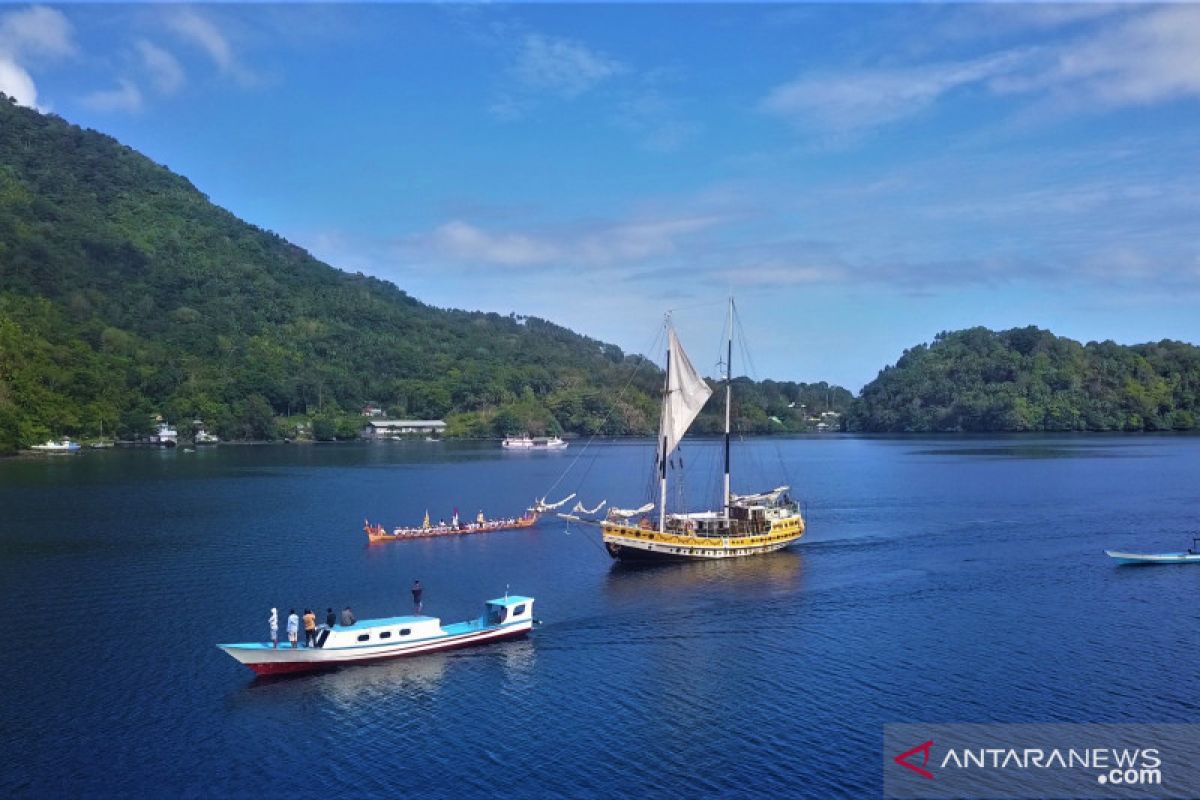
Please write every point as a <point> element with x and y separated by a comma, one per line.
<point>1192,556</point>
<point>392,637</point>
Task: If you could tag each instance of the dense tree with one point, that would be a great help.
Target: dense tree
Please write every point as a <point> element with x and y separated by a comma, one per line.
<point>1028,379</point>
<point>124,294</point>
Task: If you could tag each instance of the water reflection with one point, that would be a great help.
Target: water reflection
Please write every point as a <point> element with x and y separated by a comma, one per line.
<point>781,570</point>
<point>352,687</point>
<point>1038,451</point>
<point>520,657</point>
<point>357,686</point>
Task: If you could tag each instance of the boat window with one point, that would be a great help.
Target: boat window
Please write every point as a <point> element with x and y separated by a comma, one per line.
<point>405,631</point>
<point>519,610</point>
<point>385,634</point>
<point>364,637</point>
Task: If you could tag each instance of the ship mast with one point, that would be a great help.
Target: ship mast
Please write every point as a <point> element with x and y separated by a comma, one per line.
<point>728,400</point>
<point>662,453</point>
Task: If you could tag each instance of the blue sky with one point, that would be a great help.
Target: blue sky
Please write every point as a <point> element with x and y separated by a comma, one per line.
<point>860,177</point>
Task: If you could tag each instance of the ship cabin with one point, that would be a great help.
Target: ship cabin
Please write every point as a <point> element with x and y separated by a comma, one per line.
<point>372,632</point>
<point>746,518</point>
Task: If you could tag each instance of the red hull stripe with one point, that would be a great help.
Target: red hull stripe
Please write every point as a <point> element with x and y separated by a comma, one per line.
<point>284,667</point>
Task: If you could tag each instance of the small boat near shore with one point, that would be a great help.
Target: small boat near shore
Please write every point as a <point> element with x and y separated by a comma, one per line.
<point>369,640</point>
<point>526,442</point>
<point>1192,556</point>
<point>377,533</point>
<point>62,446</point>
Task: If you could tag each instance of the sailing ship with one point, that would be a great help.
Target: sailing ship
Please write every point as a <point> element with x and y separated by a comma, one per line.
<point>743,525</point>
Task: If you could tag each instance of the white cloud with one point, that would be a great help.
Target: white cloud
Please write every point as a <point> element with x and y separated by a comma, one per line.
<point>124,97</point>
<point>869,98</point>
<point>604,245</point>
<point>561,66</point>
<point>1132,59</point>
<point>203,33</point>
<point>16,82</point>
<point>464,242</point>
<point>36,32</point>
<point>1146,58</point>
<point>782,275</point>
<point>32,34</point>
<point>165,72</point>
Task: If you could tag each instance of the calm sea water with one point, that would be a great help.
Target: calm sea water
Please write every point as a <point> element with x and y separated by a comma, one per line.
<point>942,579</point>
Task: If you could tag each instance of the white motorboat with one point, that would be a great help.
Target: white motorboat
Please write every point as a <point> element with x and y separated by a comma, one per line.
<point>394,637</point>
<point>527,442</point>
<point>61,446</point>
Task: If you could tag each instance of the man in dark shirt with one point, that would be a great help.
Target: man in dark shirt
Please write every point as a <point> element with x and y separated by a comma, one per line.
<point>330,618</point>
<point>417,591</point>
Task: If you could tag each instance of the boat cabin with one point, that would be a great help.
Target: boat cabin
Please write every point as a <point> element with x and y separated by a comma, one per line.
<point>507,609</point>
<point>368,632</point>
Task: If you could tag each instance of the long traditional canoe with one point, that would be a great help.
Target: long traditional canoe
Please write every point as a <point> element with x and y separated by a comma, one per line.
<point>377,533</point>
<point>1154,558</point>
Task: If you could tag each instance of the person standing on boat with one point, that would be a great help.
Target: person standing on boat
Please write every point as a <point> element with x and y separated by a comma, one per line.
<point>330,618</point>
<point>293,627</point>
<point>273,623</point>
<point>310,628</point>
<point>417,591</point>
<point>347,617</point>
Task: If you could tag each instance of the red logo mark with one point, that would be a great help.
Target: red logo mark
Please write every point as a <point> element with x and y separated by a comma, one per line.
<point>923,749</point>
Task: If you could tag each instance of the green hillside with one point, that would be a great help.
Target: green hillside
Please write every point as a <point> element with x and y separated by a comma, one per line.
<point>1028,379</point>
<point>125,293</point>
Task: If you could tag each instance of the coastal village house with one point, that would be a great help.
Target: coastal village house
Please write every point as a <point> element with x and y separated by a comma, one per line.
<point>385,428</point>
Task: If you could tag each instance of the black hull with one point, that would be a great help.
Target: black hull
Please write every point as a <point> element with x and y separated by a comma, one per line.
<point>635,555</point>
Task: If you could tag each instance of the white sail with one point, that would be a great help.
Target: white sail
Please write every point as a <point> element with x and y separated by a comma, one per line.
<point>626,513</point>
<point>686,395</point>
<point>542,506</point>
<point>768,497</point>
<point>579,509</point>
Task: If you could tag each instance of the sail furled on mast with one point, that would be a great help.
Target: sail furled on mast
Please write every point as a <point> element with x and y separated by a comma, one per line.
<point>686,394</point>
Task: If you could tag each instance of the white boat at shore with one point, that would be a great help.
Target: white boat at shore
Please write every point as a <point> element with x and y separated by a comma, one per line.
<point>394,637</point>
<point>203,437</point>
<point>61,446</point>
<point>165,436</point>
<point>527,442</point>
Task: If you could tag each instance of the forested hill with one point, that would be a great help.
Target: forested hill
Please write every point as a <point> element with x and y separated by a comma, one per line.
<point>124,293</point>
<point>1028,379</point>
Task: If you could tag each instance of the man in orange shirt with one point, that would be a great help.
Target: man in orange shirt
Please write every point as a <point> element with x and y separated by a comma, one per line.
<point>310,628</point>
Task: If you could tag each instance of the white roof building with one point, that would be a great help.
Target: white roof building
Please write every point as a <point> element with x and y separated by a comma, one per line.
<point>382,428</point>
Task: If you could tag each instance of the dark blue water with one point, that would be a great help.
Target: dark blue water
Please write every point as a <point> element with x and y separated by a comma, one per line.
<point>947,580</point>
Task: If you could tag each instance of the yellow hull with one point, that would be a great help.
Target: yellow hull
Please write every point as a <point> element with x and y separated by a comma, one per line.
<point>637,543</point>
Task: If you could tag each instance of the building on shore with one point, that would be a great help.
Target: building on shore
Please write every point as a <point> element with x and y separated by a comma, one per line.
<point>387,428</point>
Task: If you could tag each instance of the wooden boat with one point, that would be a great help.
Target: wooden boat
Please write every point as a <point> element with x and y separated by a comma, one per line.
<point>1190,557</point>
<point>393,637</point>
<point>743,525</point>
<point>377,533</point>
